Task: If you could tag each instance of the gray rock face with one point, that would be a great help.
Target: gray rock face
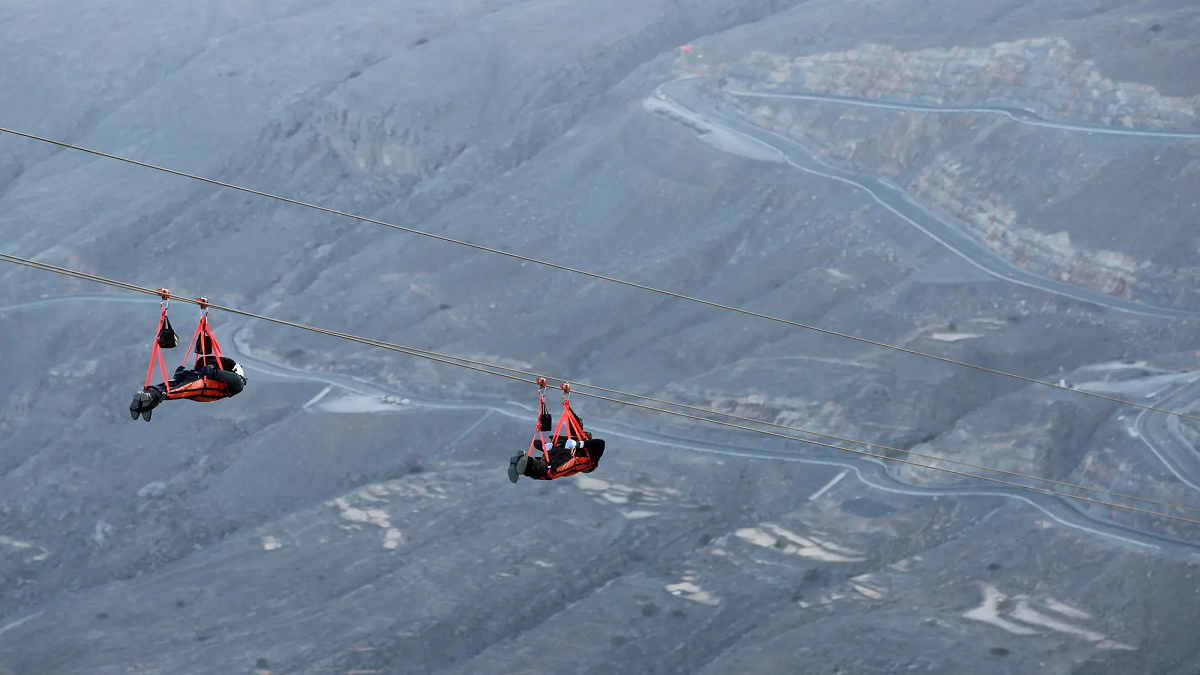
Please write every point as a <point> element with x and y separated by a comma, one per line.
<point>349,513</point>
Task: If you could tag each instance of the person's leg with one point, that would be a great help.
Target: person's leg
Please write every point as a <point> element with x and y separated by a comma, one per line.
<point>516,467</point>
<point>146,400</point>
<point>185,384</point>
<point>536,468</point>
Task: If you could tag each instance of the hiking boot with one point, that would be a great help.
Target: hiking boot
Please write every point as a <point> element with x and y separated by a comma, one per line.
<point>144,402</point>
<point>516,467</point>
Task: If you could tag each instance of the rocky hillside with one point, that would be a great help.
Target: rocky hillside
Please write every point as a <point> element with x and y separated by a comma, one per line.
<point>349,513</point>
<point>1078,215</point>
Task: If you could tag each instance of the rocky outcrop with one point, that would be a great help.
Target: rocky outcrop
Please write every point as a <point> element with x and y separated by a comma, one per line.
<point>1044,75</point>
<point>999,226</point>
<point>977,171</point>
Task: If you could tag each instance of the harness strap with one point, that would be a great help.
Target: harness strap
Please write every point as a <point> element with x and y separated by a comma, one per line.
<point>191,345</point>
<point>538,429</point>
<point>573,423</point>
<point>574,431</point>
<point>156,355</point>
<point>202,390</point>
<point>203,330</point>
<point>216,346</point>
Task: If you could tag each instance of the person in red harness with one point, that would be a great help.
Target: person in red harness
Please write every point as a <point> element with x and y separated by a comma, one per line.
<point>212,376</point>
<point>567,454</point>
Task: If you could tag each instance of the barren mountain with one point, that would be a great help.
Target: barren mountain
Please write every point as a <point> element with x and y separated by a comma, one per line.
<point>1012,184</point>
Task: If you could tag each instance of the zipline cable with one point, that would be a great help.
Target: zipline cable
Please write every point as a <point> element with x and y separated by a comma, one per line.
<point>345,336</point>
<point>593,275</point>
<point>492,369</point>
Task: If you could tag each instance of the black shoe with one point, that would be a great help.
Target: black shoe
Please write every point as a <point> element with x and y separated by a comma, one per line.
<point>516,467</point>
<point>140,401</point>
<point>144,401</point>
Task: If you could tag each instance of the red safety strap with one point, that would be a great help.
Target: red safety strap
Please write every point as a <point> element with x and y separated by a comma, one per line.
<point>574,431</point>
<point>579,436</point>
<point>192,344</point>
<point>216,346</point>
<point>156,353</point>
<point>211,339</point>
<point>202,328</point>
<point>538,429</point>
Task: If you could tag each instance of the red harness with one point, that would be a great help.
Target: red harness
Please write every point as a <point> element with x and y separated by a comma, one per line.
<point>542,424</point>
<point>156,354</point>
<point>574,431</point>
<point>203,389</point>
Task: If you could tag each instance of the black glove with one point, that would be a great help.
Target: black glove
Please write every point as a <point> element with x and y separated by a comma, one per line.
<point>207,371</point>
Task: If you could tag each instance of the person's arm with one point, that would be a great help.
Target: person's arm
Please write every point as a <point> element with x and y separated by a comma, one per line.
<point>578,448</point>
<point>233,382</point>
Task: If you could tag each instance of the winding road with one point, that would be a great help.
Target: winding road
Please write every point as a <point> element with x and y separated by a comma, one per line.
<point>1021,115</point>
<point>870,472</point>
<point>687,97</point>
<point>1161,433</point>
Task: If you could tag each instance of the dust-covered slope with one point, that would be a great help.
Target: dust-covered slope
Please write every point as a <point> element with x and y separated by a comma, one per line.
<point>349,512</point>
